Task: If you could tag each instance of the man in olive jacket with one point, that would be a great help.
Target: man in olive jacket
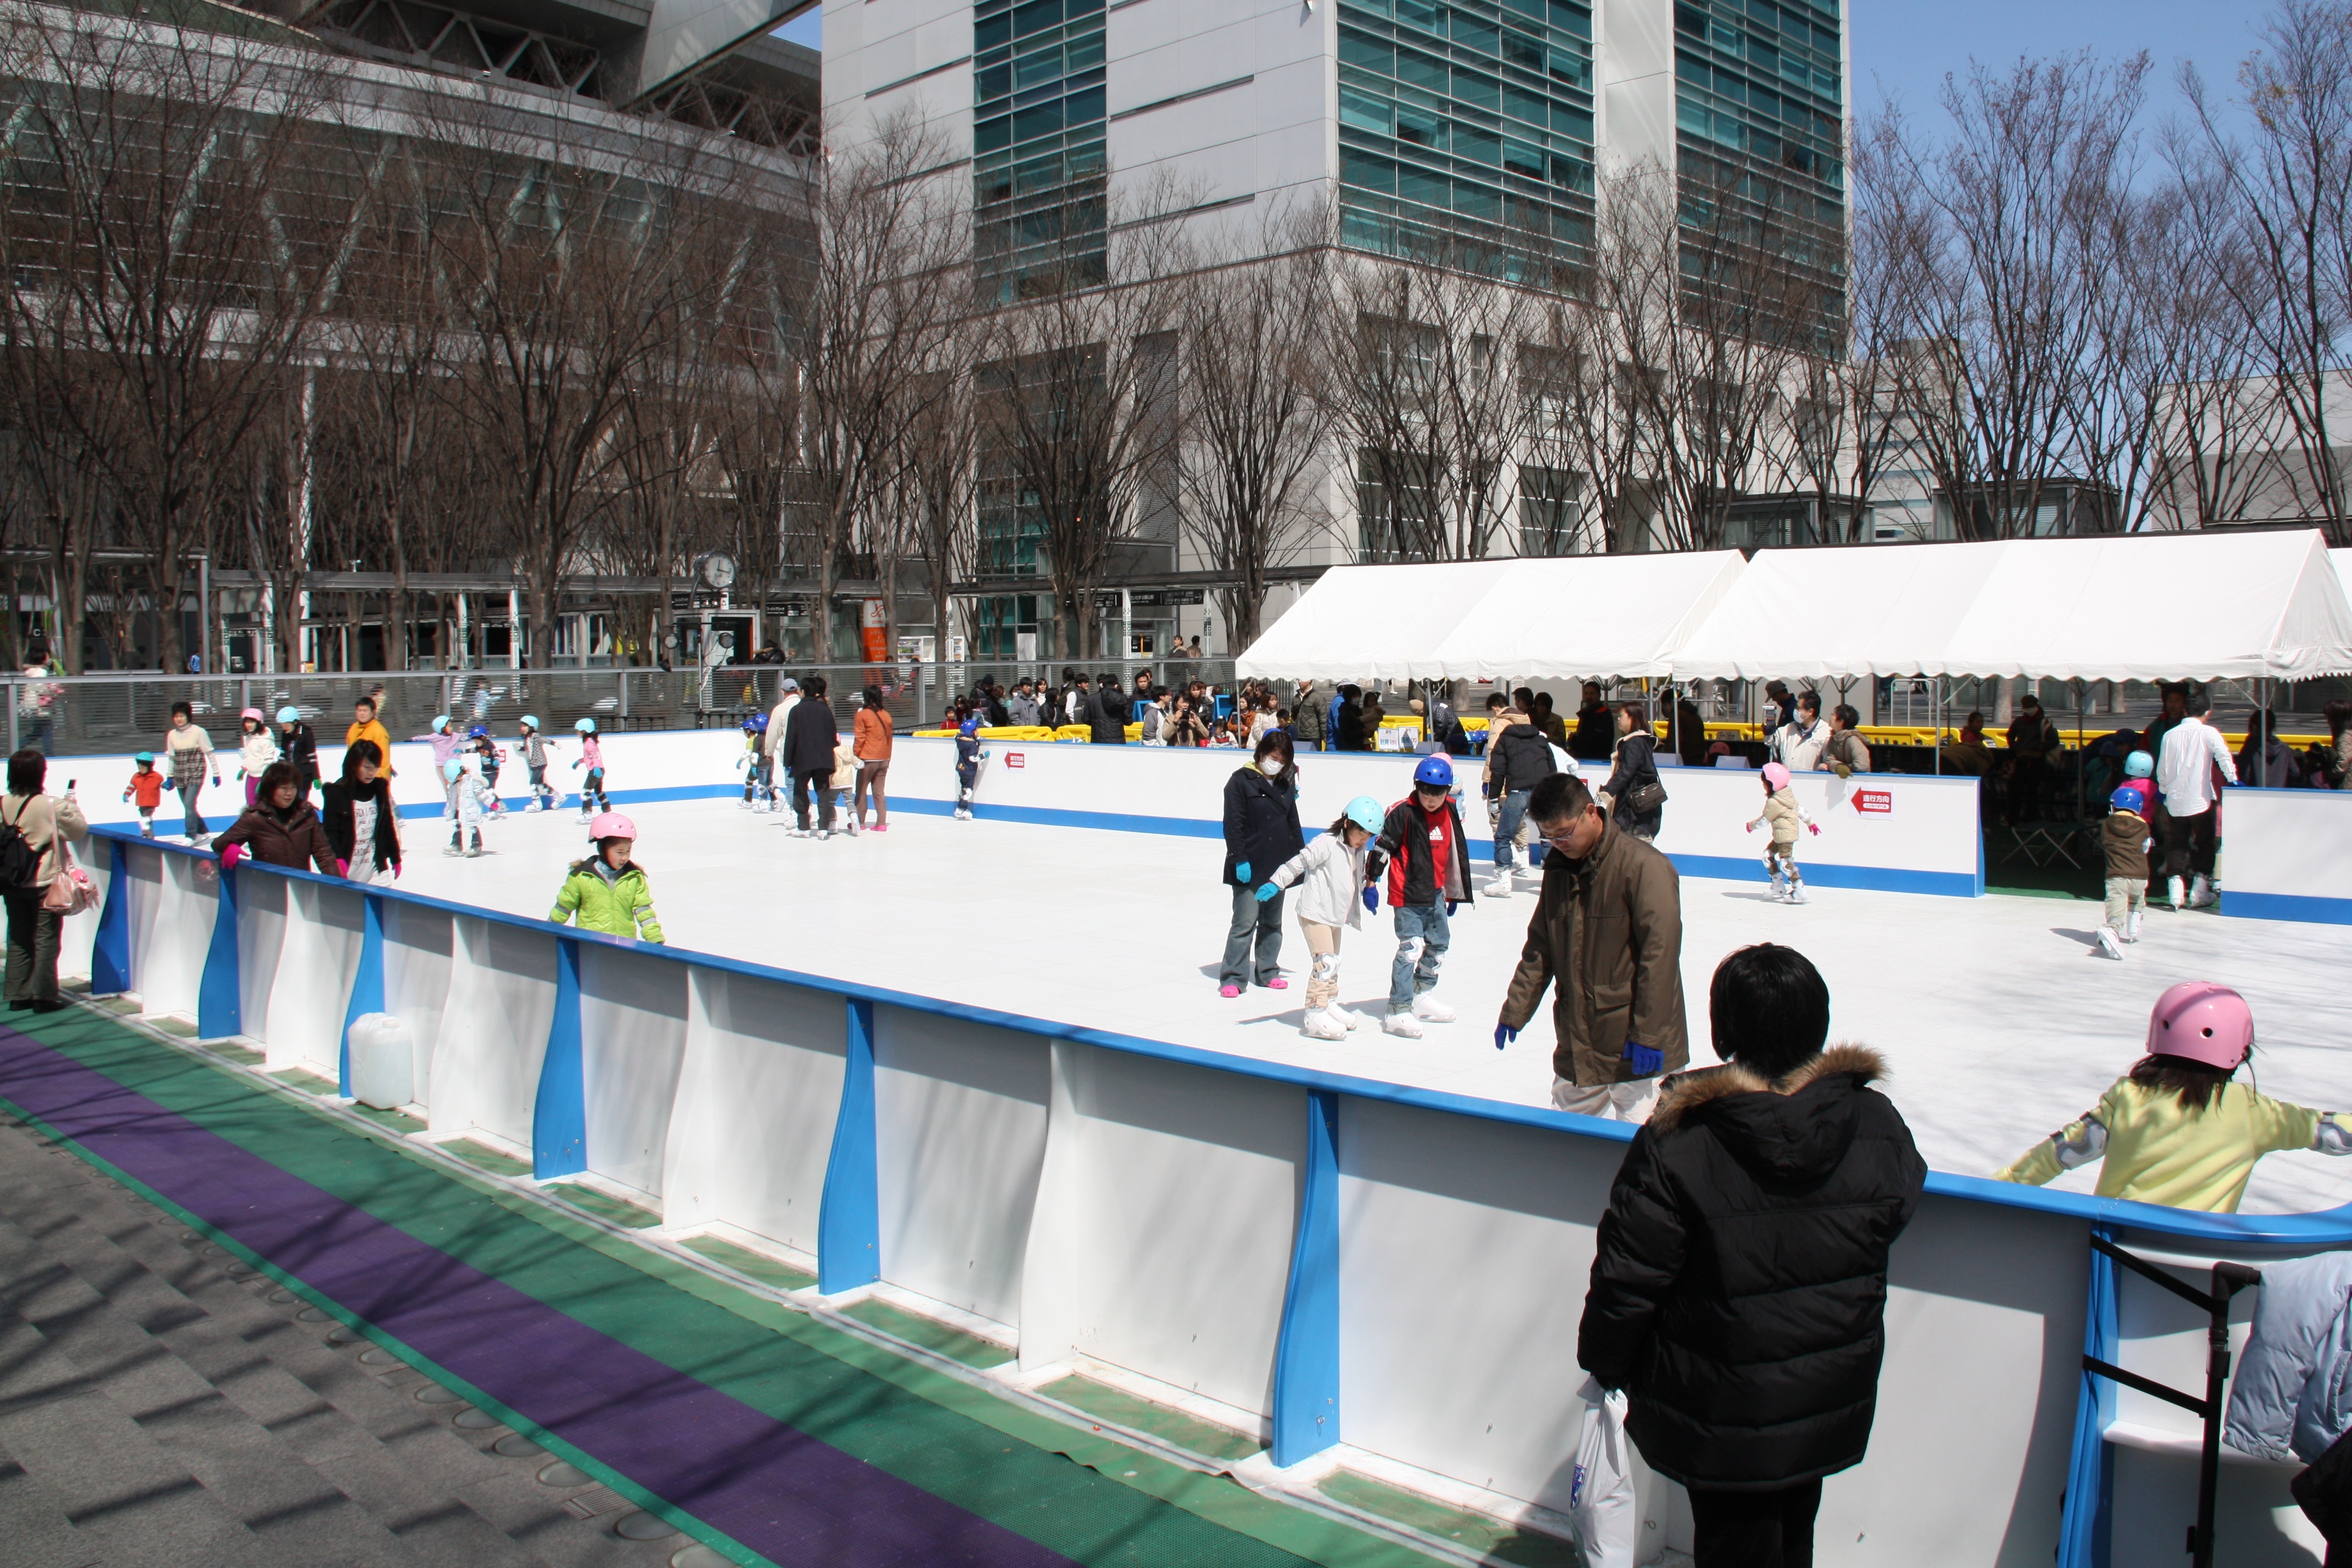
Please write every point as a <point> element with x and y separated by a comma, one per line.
<point>1608,930</point>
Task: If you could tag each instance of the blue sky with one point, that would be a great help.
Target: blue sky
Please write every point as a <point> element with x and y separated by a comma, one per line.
<point>1905,47</point>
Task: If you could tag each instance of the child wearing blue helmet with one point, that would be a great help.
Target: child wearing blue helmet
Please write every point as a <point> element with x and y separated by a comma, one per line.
<point>1422,857</point>
<point>543,795</point>
<point>2126,839</point>
<point>969,756</point>
<point>1329,874</point>
<point>591,757</point>
<point>758,765</point>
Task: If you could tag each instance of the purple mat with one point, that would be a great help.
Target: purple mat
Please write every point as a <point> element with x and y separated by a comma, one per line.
<point>778,1490</point>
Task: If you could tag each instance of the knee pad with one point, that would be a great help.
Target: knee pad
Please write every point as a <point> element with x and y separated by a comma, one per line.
<point>1326,966</point>
<point>1410,947</point>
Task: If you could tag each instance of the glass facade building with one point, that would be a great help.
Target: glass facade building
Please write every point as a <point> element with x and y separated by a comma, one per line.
<point>1039,173</point>
<point>1759,128</point>
<point>1466,128</point>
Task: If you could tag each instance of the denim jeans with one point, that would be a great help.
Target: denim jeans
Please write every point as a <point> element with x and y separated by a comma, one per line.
<point>1507,828</point>
<point>1422,936</point>
<point>1252,921</point>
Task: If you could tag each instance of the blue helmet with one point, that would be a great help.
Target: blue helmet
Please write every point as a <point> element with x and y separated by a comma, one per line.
<point>530,720</point>
<point>2125,800</point>
<point>440,722</point>
<point>289,714</point>
<point>2139,766</point>
<point>453,769</point>
<point>969,727</point>
<point>1434,770</point>
<point>757,724</point>
<point>144,757</point>
<point>1366,812</point>
<point>585,726</point>
<point>478,733</point>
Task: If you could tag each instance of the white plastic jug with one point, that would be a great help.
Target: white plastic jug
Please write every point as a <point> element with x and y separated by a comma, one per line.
<point>382,1061</point>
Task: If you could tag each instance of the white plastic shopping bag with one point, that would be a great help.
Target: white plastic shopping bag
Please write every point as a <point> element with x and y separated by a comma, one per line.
<point>1602,1500</point>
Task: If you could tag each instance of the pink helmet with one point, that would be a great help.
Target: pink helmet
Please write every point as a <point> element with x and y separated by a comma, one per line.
<point>252,713</point>
<point>2201,1022</point>
<point>1776,775</point>
<point>610,825</point>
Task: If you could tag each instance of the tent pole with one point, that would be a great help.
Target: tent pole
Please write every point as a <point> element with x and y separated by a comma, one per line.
<point>1935,719</point>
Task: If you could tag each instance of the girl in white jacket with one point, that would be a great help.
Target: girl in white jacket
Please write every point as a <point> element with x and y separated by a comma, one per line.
<point>1330,875</point>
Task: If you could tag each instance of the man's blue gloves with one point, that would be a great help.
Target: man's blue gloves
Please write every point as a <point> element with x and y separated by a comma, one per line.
<point>1372,899</point>
<point>1242,870</point>
<point>1647,1063</point>
<point>1268,893</point>
<point>1503,1036</point>
<point>1449,909</point>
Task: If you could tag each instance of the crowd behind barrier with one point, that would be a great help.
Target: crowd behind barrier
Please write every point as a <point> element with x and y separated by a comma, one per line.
<point>1229,1227</point>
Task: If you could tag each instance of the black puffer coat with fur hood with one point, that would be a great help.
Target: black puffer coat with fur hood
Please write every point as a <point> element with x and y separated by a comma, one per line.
<point>1740,1287</point>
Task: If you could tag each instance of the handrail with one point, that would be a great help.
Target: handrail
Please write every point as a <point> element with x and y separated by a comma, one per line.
<point>2324,1228</point>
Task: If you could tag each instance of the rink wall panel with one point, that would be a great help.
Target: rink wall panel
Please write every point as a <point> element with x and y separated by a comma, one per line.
<point>1129,1201</point>
<point>2286,854</point>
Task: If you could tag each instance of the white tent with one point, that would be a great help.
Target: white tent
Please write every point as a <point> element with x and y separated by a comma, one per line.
<point>2245,607</point>
<point>2343,560</point>
<point>1579,615</point>
<point>1508,618</point>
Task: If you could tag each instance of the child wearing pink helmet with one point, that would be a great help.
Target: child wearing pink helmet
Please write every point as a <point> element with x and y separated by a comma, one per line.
<point>2178,1130</point>
<point>1781,810</point>
<point>257,749</point>
<point>608,891</point>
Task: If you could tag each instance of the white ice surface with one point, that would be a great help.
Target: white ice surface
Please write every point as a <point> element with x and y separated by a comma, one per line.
<point>1996,1020</point>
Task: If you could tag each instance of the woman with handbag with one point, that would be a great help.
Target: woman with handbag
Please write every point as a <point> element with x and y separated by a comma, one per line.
<point>39,901</point>
<point>1636,799</point>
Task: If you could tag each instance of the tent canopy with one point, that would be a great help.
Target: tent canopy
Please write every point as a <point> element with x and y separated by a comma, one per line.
<point>1562,617</point>
<point>2123,607</point>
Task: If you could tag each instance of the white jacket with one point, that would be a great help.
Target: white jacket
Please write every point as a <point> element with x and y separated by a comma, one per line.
<point>775,735</point>
<point>2184,774</point>
<point>1330,881</point>
<point>1799,750</point>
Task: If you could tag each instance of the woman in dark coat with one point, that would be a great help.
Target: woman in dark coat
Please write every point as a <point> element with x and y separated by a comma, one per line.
<point>1261,833</point>
<point>363,793</point>
<point>279,827</point>
<point>1634,765</point>
<point>810,739</point>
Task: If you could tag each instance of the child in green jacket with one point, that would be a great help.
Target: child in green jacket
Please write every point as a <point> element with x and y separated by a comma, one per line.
<point>608,890</point>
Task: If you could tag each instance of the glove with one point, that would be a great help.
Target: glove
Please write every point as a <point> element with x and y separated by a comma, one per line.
<point>1449,909</point>
<point>1241,869</point>
<point>1752,827</point>
<point>216,780</point>
<point>1814,828</point>
<point>342,868</point>
<point>1503,1036</point>
<point>230,855</point>
<point>395,871</point>
<point>1268,893</point>
<point>1647,1063</point>
<point>1373,900</point>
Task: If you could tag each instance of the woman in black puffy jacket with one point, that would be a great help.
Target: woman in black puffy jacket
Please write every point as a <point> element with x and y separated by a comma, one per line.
<point>1261,833</point>
<point>1634,765</point>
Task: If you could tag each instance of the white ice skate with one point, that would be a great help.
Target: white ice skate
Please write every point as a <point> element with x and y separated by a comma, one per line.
<point>1500,888</point>
<point>1403,1023</point>
<point>2108,944</point>
<point>1430,1010</point>
<point>475,853</point>
<point>2132,933</point>
<point>533,807</point>
<point>2202,894</point>
<point>2179,890</point>
<point>1348,1019</point>
<point>453,850</point>
<point>1321,1025</point>
<point>745,803</point>
<point>1797,893</point>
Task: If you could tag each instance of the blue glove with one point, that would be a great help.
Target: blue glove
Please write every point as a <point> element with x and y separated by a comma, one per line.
<point>1372,899</point>
<point>1449,909</point>
<point>1503,1036</point>
<point>1242,870</point>
<point>1647,1063</point>
<point>1268,893</point>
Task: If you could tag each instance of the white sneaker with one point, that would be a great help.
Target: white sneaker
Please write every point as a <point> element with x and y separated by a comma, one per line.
<point>1500,888</point>
<point>1430,1010</point>
<point>2200,894</point>
<point>2179,893</point>
<point>1403,1023</point>
<point>1322,1026</point>
<point>2108,944</point>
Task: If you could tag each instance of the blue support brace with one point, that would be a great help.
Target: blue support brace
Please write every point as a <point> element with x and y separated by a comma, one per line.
<point>1307,1357</point>
<point>559,1116</point>
<point>849,1221</point>
<point>367,986</point>
<point>109,956</point>
<point>2086,1526</point>
<point>220,1003</point>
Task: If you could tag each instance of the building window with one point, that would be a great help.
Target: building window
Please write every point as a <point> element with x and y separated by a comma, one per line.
<point>1551,520</point>
<point>1466,129</point>
<point>1396,507</point>
<point>1039,171</point>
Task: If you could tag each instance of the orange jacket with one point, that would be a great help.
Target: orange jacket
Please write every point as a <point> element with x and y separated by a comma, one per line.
<point>873,735</point>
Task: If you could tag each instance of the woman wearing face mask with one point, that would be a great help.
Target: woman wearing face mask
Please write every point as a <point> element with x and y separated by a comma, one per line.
<point>1261,835</point>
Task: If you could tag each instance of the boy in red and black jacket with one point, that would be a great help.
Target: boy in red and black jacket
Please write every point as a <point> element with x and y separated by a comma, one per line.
<point>1423,857</point>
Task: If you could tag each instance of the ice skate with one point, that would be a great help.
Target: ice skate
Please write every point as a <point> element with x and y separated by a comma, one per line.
<point>851,829</point>
<point>475,853</point>
<point>454,850</point>
<point>1500,888</point>
<point>146,830</point>
<point>2178,892</point>
<point>1348,1019</point>
<point>1319,1025</point>
<point>1402,1024</point>
<point>1430,1010</point>
<point>533,808</point>
<point>2108,944</point>
<point>2200,893</point>
<point>2132,933</point>
<point>1797,893</point>
<point>746,804</point>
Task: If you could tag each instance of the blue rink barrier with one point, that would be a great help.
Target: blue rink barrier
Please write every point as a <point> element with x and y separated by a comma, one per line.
<point>1348,1265</point>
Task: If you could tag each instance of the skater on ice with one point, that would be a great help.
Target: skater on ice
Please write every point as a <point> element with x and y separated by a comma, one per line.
<point>2125,838</point>
<point>466,808</point>
<point>365,726</point>
<point>1421,859</point>
<point>755,765</point>
<point>969,756</point>
<point>544,796</point>
<point>810,742</point>
<point>1781,810</point>
<point>190,751</point>
<point>608,891</point>
<point>872,729</point>
<point>257,750</point>
<point>1330,875</point>
<point>2179,1129</point>
<point>362,822</point>
<point>591,758</point>
<point>298,744</point>
<point>1261,827</point>
<point>146,789</point>
<point>279,829</point>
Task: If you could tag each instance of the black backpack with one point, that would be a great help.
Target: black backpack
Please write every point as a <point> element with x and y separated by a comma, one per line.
<point>20,863</point>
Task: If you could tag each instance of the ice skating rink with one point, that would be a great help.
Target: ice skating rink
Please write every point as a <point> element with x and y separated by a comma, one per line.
<point>1997,1022</point>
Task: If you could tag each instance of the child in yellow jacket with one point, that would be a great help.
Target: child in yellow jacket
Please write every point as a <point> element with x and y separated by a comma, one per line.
<point>2177,1130</point>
